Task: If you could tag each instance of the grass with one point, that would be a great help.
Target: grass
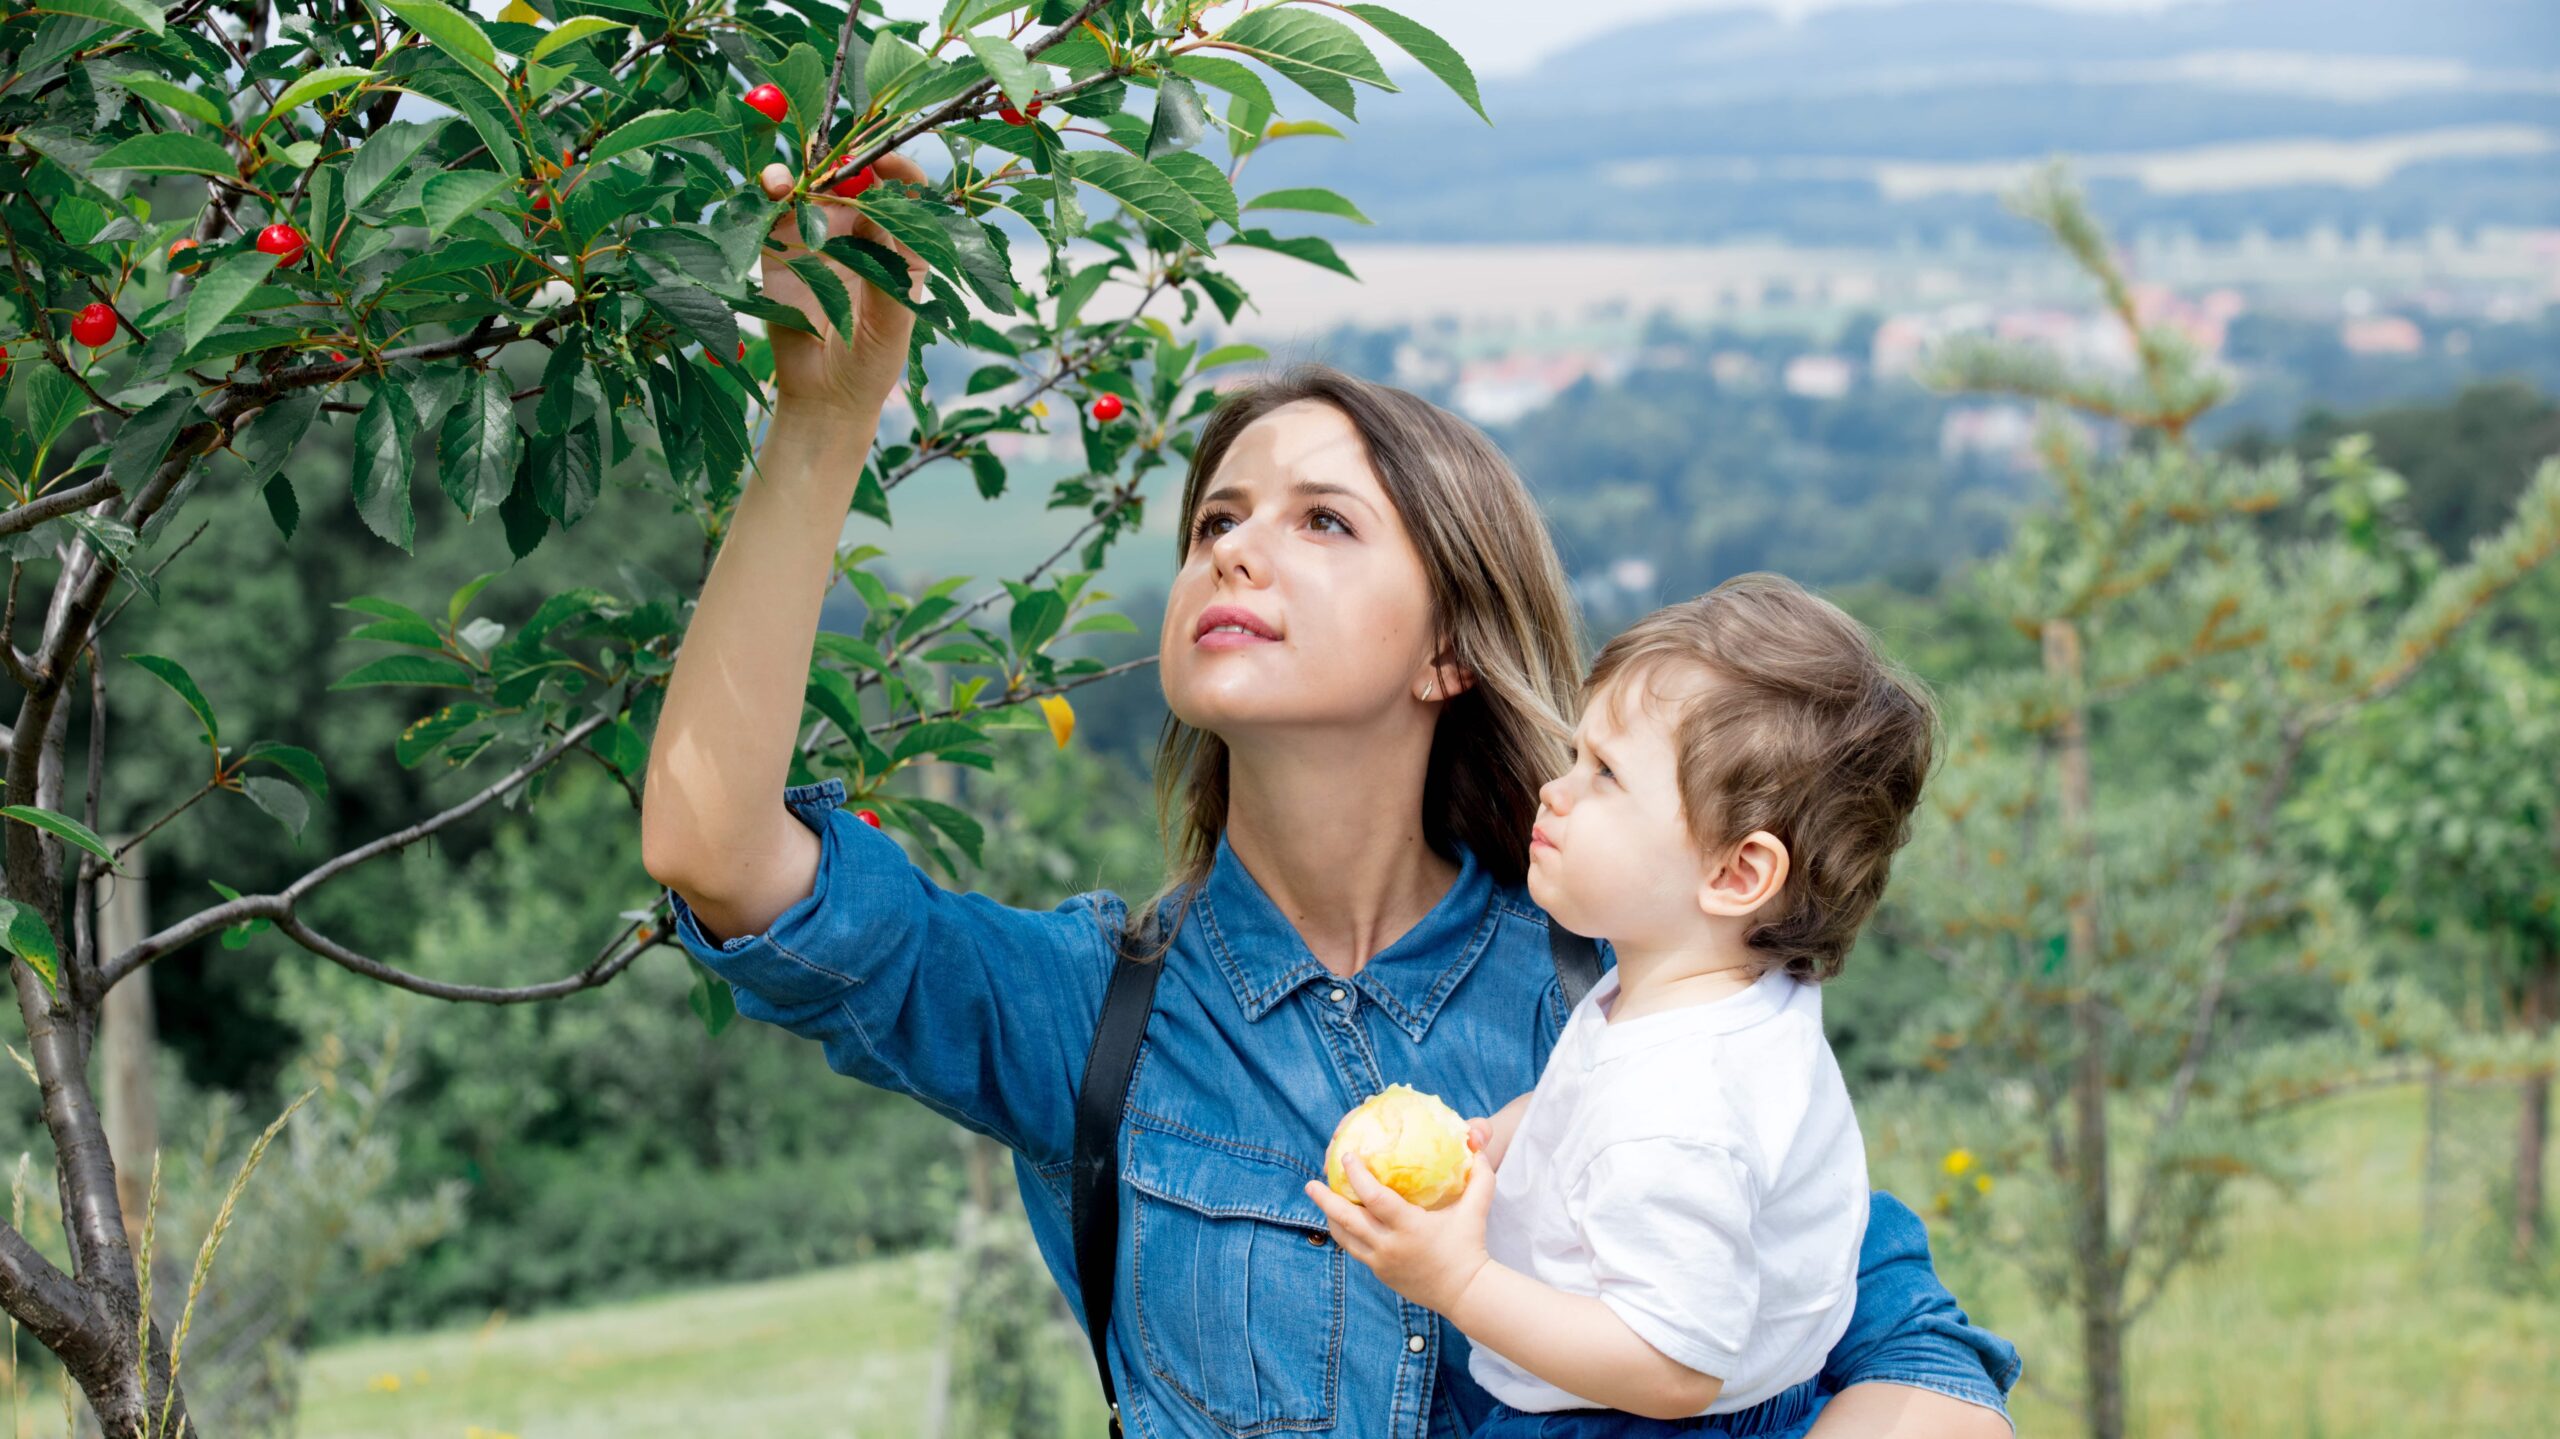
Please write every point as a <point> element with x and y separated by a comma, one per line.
<point>2321,1316</point>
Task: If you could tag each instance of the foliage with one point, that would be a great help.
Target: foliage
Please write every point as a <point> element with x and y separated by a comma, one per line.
<point>527,251</point>
<point>2104,863</point>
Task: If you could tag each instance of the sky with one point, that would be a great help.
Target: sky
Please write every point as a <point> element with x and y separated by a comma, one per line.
<point>1506,37</point>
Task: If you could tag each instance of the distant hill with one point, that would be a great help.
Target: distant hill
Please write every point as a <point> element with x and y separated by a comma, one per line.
<point>1901,123</point>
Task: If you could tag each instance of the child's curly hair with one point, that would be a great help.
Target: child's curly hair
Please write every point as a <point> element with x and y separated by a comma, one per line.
<point>1807,733</point>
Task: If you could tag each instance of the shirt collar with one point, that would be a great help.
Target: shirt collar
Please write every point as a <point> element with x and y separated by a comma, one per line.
<point>1265,959</point>
<point>1767,996</point>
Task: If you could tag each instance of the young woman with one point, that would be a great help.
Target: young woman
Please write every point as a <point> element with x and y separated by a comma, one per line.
<point>1366,651</point>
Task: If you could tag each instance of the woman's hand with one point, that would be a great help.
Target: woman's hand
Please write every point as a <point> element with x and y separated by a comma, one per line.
<point>855,373</point>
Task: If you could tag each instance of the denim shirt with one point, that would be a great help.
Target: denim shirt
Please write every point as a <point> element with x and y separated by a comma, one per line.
<point>1235,1313</point>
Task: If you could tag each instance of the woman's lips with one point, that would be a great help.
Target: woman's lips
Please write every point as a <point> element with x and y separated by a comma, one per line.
<point>1230,640</point>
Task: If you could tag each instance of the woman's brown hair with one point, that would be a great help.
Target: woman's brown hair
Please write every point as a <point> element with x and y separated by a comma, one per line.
<point>1497,592</point>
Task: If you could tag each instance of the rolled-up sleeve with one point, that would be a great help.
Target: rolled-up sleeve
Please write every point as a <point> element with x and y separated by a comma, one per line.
<point>980,1010</point>
<point>1907,1329</point>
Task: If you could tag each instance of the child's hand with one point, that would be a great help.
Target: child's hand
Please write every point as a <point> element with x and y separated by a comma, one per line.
<point>1426,1255</point>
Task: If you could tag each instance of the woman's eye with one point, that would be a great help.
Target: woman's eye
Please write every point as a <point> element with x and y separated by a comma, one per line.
<point>1203,527</point>
<point>1342,524</point>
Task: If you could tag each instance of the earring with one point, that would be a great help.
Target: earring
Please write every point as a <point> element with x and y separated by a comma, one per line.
<point>1432,688</point>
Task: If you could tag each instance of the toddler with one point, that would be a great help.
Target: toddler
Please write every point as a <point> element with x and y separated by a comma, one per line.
<point>1663,1236</point>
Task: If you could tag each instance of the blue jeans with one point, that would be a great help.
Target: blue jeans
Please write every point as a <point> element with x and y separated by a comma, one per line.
<point>1785,1415</point>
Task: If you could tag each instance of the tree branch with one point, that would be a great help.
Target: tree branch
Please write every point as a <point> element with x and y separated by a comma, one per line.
<point>280,905</point>
<point>612,960</point>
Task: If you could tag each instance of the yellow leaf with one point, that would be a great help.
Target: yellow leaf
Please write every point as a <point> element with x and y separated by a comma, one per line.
<point>1062,717</point>
<point>520,13</point>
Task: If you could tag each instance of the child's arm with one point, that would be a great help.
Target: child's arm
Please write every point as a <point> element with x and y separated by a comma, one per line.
<point>1437,1259</point>
<point>1577,1343</point>
<point>1494,1131</point>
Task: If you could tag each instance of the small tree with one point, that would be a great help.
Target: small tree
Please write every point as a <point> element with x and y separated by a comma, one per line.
<point>228,224</point>
<point>2103,867</point>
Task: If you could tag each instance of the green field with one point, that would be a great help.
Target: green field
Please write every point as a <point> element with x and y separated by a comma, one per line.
<point>2321,1317</point>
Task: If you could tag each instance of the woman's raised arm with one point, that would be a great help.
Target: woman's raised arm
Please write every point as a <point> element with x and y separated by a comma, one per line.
<point>713,826</point>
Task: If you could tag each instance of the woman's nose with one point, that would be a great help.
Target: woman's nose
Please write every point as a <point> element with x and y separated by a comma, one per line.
<point>1239,551</point>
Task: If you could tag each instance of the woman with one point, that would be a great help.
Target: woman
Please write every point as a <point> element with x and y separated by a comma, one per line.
<point>1365,652</point>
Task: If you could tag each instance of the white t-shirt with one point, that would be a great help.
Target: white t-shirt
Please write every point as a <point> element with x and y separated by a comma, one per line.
<point>1699,1169</point>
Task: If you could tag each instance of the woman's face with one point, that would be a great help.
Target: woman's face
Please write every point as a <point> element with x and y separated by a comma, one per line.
<point>1296,542</point>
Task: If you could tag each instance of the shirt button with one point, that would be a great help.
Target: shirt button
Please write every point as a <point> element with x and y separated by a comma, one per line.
<point>1316,1239</point>
<point>1338,994</point>
<point>1413,1342</point>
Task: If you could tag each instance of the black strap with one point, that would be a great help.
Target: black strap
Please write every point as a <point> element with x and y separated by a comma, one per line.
<point>1094,1172</point>
<point>1577,962</point>
<point>1095,1168</point>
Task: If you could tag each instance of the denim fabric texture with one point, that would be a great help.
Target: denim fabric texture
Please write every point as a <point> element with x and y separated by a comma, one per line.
<point>1785,1415</point>
<point>1236,1314</point>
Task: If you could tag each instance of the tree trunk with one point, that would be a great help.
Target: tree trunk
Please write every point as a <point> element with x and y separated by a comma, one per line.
<point>2094,1260</point>
<point>128,1039</point>
<point>2533,1128</point>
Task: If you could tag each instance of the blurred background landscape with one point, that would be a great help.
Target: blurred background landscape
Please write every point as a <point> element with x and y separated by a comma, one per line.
<point>1692,279</point>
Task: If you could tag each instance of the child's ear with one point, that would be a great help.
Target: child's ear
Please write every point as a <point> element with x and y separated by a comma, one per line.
<point>1750,876</point>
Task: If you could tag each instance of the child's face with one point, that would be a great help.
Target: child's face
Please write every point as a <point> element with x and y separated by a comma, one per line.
<point>1610,856</point>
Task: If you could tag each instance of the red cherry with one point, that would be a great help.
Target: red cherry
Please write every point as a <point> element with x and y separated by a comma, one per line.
<point>542,201</point>
<point>1106,409</point>
<point>4,364</point>
<point>1023,116</point>
<point>855,183</point>
<point>770,102</point>
<point>178,248</point>
<point>95,325</point>
<point>282,241</point>
<point>868,816</point>
<point>338,355</point>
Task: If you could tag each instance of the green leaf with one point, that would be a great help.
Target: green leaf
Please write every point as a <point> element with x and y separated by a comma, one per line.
<point>294,760</point>
<point>1323,55</point>
<point>710,999</point>
<point>488,115</point>
<point>311,85</point>
<point>568,473</point>
<point>1233,76</point>
<point>454,33</point>
<point>414,632</point>
<point>476,451</point>
<point>385,153</point>
<point>1180,119</point>
<point>699,313</point>
<point>63,826</point>
<point>879,266</point>
<point>571,31</point>
<point>172,96</point>
<point>964,831</point>
<point>221,290</point>
<point>288,805</point>
<point>22,931</point>
<point>1035,621</point>
<point>1437,55</point>
<point>145,439</point>
<point>425,670</point>
<point>658,127</point>
<point>270,436</point>
<point>175,676</point>
<point>384,463</point>
<point>1144,189</point>
<point>1201,179</point>
<point>802,74</point>
<point>1303,247</point>
<point>935,735</point>
<point>171,152</point>
<point>54,404</point>
<point>1231,355</point>
<point>1012,71</point>
<point>450,196</point>
<point>124,14</point>
<point>1310,199</point>
<point>828,287</point>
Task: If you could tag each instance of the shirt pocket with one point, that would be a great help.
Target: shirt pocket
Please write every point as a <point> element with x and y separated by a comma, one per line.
<point>1239,1288</point>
